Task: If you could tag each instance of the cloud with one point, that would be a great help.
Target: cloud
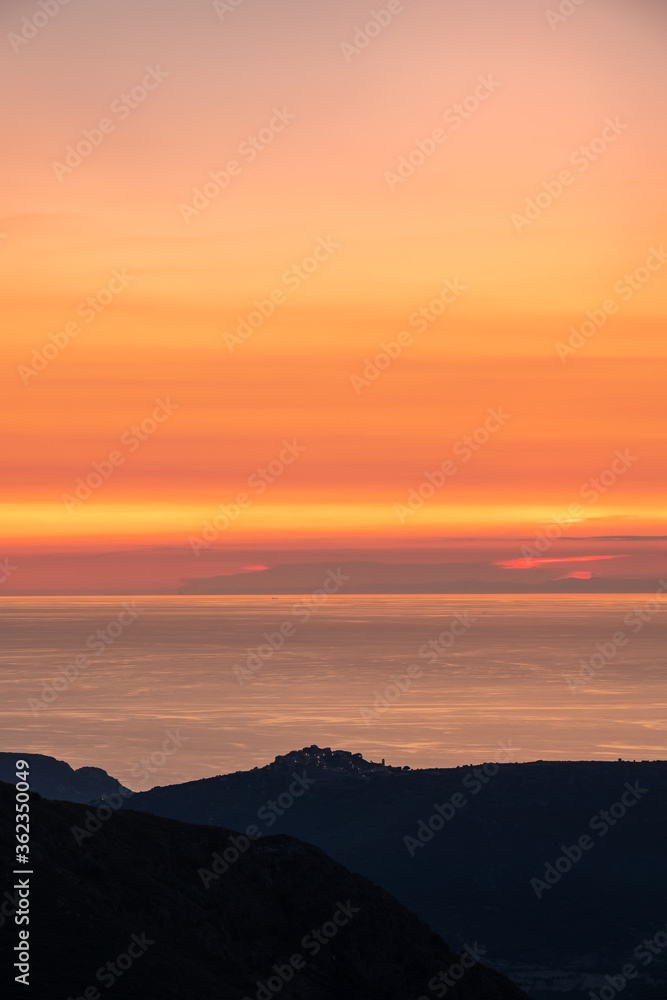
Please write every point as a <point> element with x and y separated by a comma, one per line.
<point>530,563</point>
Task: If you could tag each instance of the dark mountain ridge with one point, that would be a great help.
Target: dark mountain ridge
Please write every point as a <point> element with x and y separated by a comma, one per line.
<point>55,779</point>
<point>467,849</point>
<point>151,907</point>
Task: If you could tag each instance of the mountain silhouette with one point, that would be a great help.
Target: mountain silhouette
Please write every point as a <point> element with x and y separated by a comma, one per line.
<point>472,875</point>
<point>55,779</point>
<point>150,907</point>
<point>470,850</point>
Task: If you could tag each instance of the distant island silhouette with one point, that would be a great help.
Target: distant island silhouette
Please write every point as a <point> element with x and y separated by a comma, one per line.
<point>369,577</point>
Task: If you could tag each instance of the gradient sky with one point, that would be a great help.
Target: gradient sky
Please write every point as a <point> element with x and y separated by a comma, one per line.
<point>329,179</point>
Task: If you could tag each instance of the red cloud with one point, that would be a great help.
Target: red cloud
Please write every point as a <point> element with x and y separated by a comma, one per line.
<point>529,563</point>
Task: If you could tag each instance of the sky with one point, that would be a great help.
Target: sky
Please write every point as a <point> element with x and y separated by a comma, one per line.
<point>301,281</point>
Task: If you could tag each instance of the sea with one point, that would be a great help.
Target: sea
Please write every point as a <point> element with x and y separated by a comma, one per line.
<point>175,688</point>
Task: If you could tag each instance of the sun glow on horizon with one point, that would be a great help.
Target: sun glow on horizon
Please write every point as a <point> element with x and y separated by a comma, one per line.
<point>443,227</point>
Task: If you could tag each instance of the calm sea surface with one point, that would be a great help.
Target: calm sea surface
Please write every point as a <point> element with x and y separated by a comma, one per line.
<point>340,679</point>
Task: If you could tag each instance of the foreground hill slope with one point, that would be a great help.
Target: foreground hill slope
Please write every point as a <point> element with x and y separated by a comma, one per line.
<point>468,870</point>
<point>137,885</point>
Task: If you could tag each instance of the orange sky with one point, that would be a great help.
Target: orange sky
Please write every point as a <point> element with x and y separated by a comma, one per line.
<point>539,206</point>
